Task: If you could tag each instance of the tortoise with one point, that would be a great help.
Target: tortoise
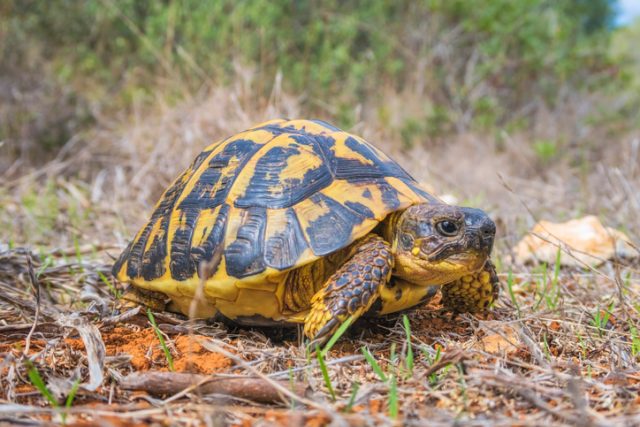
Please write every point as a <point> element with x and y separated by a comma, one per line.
<point>296,221</point>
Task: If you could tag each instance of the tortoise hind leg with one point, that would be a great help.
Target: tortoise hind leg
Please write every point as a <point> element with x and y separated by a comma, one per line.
<point>472,293</point>
<point>351,290</point>
<point>134,297</point>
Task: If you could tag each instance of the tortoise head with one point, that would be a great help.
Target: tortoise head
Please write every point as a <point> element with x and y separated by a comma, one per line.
<point>437,243</point>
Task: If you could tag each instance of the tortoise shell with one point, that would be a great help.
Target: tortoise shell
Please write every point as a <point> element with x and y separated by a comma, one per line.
<point>267,200</point>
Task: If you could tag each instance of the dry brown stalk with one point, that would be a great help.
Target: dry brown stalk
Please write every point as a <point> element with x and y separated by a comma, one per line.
<point>249,388</point>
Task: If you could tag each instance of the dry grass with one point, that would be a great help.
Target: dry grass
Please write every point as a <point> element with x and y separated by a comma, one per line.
<point>570,359</point>
<point>112,176</point>
<point>557,350</point>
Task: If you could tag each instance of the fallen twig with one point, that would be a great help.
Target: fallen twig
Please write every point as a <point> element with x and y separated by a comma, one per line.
<point>249,388</point>
<point>451,357</point>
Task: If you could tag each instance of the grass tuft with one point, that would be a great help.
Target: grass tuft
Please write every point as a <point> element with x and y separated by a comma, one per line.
<point>512,295</point>
<point>601,319</point>
<point>325,373</point>
<point>337,334</point>
<point>433,378</point>
<point>114,291</point>
<point>373,363</point>
<point>354,392</point>
<point>393,397</point>
<point>163,344</point>
<point>635,341</point>
<point>72,394</point>
<point>36,380</point>
<point>409,356</point>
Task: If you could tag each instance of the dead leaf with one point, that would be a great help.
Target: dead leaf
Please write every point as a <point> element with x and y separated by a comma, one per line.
<point>499,342</point>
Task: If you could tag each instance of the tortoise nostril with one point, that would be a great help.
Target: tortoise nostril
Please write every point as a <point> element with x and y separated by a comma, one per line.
<point>478,221</point>
<point>488,229</point>
<point>488,233</point>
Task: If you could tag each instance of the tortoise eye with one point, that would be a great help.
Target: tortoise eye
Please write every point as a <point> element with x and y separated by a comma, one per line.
<point>447,228</point>
<point>406,240</point>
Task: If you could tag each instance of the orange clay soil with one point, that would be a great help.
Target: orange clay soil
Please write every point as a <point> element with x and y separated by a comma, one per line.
<point>17,347</point>
<point>146,352</point>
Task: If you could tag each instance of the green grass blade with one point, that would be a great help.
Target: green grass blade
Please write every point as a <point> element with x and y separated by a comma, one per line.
<point>546,348</point>
<point>374,364</point>
<point>325,373</point>
<point>409,358</point>
<point>116,293</point>
<point>393,360</point>
<point>163,344</point>
<point>635,341</point>
<point>76,246</point>
<point>354,391</point>
<point>48,262</point>
<point>337,334</point>
<point>583,345</point>
<point>462,384</point>
<point>292,385</point>
<point>72,394</point>
<point>393,398</point>
<point>556,268</point>
<point>512,294</point>
<point>601,318</point>
<point>433,378</point>
<point>542,286</point>
<point>553,298</point>
<point>38,382</point>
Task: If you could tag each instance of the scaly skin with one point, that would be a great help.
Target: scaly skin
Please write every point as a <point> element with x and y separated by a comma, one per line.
<point>135,297</point>
<point>394,270</point>
<point>472,293</point>
<point>351,290</point>
<point>279,213</point>
<point>302,283</point>
<point>419,258</point>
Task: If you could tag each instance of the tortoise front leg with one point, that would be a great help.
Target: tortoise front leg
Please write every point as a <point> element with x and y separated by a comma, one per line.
<point>351,290</point>
<point>472,293</point>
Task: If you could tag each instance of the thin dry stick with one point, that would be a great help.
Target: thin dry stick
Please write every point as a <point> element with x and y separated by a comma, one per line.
<point>539,403</point>
<point>206,269</point>
<point>211,345</point>
<point>562,246</point>
<point>246,388</point>
<point>36,286</point>
<point>450,357</point>
<point>570,251</point>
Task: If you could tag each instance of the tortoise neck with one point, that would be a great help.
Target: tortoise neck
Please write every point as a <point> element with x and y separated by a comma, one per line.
<point>389,229</point>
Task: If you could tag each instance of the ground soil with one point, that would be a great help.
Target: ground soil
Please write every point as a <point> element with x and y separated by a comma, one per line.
<point>142,345</point>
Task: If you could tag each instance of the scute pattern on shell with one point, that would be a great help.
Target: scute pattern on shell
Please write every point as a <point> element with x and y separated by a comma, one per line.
<point>279,195</point>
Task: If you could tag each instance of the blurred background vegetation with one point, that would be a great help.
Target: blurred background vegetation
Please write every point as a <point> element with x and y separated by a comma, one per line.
<point>556,81</point>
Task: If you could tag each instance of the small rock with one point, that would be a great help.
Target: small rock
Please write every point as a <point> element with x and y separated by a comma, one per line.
<point>587,240</point>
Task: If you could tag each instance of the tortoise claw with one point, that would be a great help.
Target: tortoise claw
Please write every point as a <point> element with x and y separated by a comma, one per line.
<point>350,291</point>
<point>323,335</point>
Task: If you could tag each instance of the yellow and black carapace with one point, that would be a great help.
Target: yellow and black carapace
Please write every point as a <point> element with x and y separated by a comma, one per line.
<point>299,222</point>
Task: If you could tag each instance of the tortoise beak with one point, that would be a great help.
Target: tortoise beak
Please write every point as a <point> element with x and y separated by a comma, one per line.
<point>480,230</point>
